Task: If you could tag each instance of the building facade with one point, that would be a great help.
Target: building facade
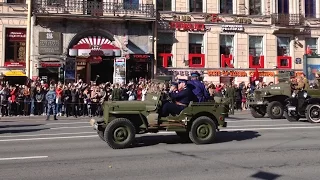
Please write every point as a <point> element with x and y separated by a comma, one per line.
<point>92,40</point>
<point>228,40</point>
<point>13,14</point>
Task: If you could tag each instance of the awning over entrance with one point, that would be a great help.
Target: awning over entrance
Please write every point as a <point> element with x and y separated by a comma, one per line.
<point>14,73</point>
<point>94,46</point>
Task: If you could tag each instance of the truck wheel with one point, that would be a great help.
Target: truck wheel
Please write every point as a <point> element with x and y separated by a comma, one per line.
<point>203,130</point>
<point>290,118</point>
<point>313,113</point>
<point>101,134</point>
<point>257,113</point>
<point>275,110</point>
<point>119,133</point>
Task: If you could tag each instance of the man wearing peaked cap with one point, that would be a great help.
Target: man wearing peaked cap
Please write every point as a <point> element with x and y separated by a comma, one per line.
<point>181,99</point>
<point>198,88</point>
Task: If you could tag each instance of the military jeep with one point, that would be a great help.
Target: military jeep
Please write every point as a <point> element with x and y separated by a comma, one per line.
<point>122,120</point>
<point>271,100</point>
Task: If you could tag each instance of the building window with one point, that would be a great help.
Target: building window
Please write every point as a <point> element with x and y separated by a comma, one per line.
<point>164,50</point>
<point>283,6</point>
<point>226,6</point>
<point>15,43</point>
<point>310,8</point>
<point>196,54</point>
<point>256,48</point>
<point>311,46</point>
<point>195,5</point>
<point>164,5</point>
<point>16,1</point>
<point>226,49</point>
<point>255,7</point>
<point>283,49</point>
<point>131,4</point>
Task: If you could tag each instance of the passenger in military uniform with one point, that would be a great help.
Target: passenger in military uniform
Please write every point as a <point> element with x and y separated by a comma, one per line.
<point>173,88</point>
<point>180,99</point>
<point>198,88</point>
<point>51,100</point>
<point>305,81</point>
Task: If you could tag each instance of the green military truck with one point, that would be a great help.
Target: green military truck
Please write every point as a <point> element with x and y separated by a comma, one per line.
<point>271,100</point>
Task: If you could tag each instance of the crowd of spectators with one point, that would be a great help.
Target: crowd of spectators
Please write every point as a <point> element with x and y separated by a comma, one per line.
<point>81,99</point>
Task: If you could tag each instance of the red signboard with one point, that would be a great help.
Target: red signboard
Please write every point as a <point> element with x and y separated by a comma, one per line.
<point>284,62</point>
<point>15,64</point>
<point>226,61</point>
<point>187,26</point>
<point>253,65</point>
<point>16,34</point>
<point>192,61</point>
<point>50,64</point>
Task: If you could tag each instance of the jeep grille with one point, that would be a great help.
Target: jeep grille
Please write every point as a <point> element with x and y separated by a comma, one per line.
<point>257,95</point>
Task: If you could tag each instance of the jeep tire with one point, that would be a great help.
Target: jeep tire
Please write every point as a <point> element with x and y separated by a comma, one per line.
<point>120,133</point>
<point>203,130</point>
<point>290,118</point>
<point>275,110</point>
<point>257,113</point>
<point>311,111</point>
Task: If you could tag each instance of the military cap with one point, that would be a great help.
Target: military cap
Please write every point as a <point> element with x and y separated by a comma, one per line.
<point>174,84</point>
<point>183,81</point>
<point>195,74</point>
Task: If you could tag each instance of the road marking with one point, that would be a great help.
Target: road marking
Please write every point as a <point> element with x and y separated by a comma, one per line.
<point>48,138</point>
<point>87,122</point>
<point>70,127</point>
<point>237,121</point>
<point>57,134</point>
<point>275,128</point>
<point>265,125</point>
<point>22,158</point>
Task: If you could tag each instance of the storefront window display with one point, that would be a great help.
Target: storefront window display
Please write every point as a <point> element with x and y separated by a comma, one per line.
<point>226,50</point>
<point>256,51</point>
<point>15,47</point>
<point>164,49</point>
<point>283,51</point>
<point>311,46</point>
<point>196,52</point>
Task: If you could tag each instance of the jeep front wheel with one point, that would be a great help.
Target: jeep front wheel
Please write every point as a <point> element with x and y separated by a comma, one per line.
<point>313,113</point>
<point>203,130</point>
<point>275,110</point>
<point>119,133</point>
<point>257,113</point>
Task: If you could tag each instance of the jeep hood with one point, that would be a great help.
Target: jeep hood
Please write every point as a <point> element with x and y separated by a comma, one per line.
<point>275,89</point>
<point>128,105</point>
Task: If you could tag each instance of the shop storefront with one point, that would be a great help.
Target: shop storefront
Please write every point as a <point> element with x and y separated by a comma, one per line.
<point>139,66</point>
<point>49,71</point>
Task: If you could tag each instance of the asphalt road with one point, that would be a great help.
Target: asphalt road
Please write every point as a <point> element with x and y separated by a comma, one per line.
<point>249,148</point>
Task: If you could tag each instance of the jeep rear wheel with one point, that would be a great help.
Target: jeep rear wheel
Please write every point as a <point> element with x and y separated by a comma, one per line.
<point>313,113</point>
<point>203,130</point>
<point>275,110</point>
<point>119,133</point>
<point>257,113</point>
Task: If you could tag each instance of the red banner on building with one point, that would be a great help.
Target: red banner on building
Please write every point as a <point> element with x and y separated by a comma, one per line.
<point>15,64</point>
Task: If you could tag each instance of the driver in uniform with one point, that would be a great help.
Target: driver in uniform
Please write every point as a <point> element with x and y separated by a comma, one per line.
<point>181,99</point>
<point>198,88</point>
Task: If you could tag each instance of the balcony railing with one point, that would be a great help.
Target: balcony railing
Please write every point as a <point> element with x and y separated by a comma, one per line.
<point>93,8</point>
<point>287,19</point>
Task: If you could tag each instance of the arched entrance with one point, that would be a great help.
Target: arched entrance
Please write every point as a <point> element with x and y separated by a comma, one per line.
<point>94,58</point>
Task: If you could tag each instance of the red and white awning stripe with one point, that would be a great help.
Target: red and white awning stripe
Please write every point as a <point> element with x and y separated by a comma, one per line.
<point>90,43</point>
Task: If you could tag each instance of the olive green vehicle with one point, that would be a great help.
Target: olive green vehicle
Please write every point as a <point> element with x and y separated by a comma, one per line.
<point>122,120</point>
<point>271,99</point>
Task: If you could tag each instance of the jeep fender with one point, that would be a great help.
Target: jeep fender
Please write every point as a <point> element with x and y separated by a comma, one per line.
<point>313,101</point>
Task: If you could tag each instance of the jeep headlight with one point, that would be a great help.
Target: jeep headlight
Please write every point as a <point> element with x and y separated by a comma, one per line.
<point>305,94</point>
<point>293,94</point>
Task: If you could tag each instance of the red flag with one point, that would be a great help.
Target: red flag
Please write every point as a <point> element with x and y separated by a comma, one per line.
<point>255,75</point>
